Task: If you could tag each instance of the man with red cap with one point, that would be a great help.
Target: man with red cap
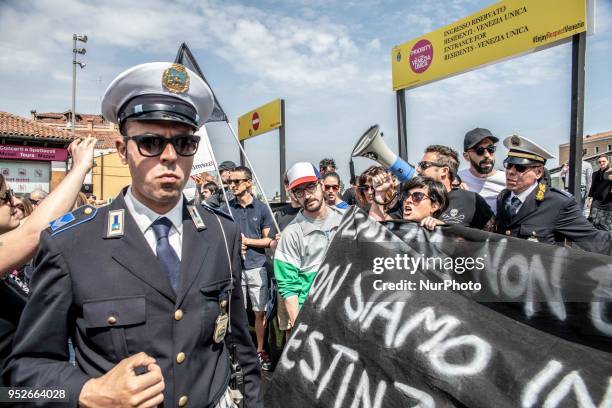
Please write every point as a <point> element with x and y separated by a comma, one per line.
<point>304,241</point>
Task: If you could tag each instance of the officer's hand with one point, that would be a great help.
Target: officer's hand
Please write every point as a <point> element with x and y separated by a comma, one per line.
<point>82,151</point>
<point>121,387</point>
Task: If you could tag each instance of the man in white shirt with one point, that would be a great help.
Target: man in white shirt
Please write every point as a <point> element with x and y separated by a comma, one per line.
<point>482,177</point>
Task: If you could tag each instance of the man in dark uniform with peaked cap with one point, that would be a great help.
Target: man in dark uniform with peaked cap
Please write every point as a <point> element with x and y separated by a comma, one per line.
<point>148,288</point>
<point>529,209</point>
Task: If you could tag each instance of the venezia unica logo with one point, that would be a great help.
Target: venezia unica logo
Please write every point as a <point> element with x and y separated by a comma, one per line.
<point>421,56</point>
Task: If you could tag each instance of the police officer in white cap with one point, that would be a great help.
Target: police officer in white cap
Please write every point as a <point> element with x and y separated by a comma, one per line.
<point>529,209</point>
<point>145,286</point>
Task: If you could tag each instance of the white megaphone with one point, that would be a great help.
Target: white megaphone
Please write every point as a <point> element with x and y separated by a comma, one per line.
<point>371,146</point>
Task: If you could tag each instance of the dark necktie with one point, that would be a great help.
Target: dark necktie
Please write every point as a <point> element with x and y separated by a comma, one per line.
<point>512,206</point>
<point>165,253</point>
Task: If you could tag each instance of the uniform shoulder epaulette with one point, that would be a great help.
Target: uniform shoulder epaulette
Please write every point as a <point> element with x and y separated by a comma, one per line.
<point>72,219</point>
<point>217,211</point>
<point>563,192</point>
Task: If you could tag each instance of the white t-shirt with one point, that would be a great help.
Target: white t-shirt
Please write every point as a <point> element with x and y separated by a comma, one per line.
<point>489,187</point>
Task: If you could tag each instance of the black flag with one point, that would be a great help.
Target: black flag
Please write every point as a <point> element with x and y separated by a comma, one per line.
<point>185,57</point>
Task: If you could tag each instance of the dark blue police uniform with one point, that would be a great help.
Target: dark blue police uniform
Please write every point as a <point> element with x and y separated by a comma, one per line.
<point>112,297</point>
<point>98,281</point>
<point>547,214</point>
<point>552,219</point>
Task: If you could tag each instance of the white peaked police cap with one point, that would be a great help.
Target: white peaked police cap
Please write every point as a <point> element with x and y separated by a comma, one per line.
<point>158,91</point>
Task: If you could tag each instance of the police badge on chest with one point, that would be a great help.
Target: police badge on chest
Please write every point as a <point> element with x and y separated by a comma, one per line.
<point>221,322</point>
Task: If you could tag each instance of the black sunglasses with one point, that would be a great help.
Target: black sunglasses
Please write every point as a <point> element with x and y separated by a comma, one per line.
<point>480,150</point>
<point>416,197</point>
<point>152,145</point>
<point>520,168</point>
<point>237,181</point>
<point>366,187</point>
<point>424,165</point>
<point>301,192</point>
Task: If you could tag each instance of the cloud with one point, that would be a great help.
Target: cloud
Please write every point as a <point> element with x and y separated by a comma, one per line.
<point>311,54</point>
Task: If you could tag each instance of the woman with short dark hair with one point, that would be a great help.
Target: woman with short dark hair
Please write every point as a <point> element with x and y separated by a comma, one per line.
<point>423,200</point>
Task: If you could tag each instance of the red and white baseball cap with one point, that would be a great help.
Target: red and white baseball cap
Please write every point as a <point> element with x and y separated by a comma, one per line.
<point>302,172</point>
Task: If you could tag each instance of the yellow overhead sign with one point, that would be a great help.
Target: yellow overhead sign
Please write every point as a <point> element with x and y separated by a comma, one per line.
<point>260,120</point>
<point>505,29</point>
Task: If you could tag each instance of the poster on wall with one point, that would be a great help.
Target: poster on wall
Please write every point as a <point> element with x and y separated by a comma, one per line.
<point>26,176</point>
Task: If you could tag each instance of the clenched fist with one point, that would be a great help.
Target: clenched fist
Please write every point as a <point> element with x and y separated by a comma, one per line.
<point>121,387</point>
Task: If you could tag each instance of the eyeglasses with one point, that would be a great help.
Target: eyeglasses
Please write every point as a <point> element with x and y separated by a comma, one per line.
<point>300,192</point>
<point>416,197</point>
<point>480,150</point>
<point>152,145</point>
<point>520,168</point>
<point>366,187</point>
<point>9,195</point>
<point>424,165</point>
<point>237,181</point>
<point>329,187</point>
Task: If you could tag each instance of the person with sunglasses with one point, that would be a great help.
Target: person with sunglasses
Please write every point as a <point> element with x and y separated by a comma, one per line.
<point>424,200</point>
<point>529,209</point>
<point>18,243</point>
<point>255,222</point>
<point>481,177</point>
<point>37,196</point>
<point>600,195</point>
<point>303,243</point>
<point>465,208</point>
<point>366,187</point>
<point>145,285</point>
<point>331,187</point>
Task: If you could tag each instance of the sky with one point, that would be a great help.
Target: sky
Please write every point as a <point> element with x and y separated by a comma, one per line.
<point>329,60</point>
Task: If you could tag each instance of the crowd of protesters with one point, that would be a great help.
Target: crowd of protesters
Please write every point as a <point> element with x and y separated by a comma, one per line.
<point>282,251</point>
<point>480,196</point>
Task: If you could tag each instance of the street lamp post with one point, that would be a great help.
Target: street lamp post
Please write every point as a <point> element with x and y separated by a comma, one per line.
<point>75,51</point>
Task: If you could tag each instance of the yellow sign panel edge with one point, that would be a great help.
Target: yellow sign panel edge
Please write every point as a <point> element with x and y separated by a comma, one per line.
<point>269,119</point>
<point>402,80</point>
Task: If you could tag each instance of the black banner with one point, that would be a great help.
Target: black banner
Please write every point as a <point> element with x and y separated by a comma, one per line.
<point>403,317</point>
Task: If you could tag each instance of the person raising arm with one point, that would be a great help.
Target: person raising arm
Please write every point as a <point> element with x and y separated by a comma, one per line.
<point>17,245</point>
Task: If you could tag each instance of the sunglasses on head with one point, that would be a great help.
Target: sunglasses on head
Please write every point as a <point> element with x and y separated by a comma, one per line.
<point>480,150</point>
<point>416,196</point>
<point>424,165</point>
<point>152,145</point>
<point>301,192</point>
<point>520,168</point>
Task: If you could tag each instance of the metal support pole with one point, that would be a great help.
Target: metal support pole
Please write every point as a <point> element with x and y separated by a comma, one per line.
<point>241,155</point>
<point>283,164</point>
<point>577,114</point>
<point>74,64</point>
<point>400,97</point>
